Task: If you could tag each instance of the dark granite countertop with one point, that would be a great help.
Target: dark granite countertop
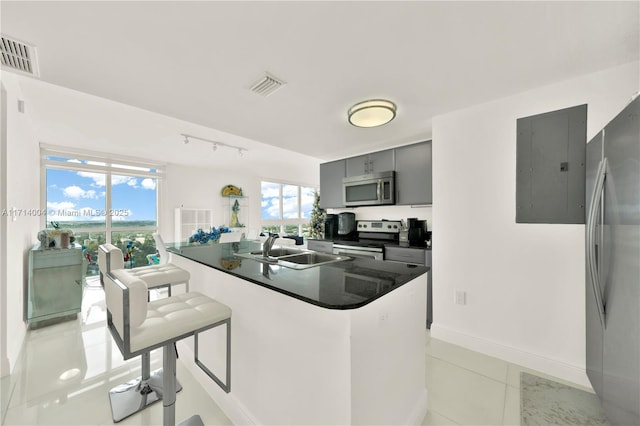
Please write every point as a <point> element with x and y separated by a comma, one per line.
<point>349,284</point>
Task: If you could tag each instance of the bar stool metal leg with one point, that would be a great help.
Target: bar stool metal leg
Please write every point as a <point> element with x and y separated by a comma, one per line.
<point>135,395</point>
<point>169,386</point>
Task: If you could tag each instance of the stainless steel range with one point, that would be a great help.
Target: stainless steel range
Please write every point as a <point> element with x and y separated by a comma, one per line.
<point>371,238</point>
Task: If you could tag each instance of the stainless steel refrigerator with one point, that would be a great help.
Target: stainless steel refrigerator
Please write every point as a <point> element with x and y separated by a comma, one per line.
<point>613,266</point>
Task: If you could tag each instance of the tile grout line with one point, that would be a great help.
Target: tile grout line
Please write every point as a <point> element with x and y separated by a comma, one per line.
<point>468,369</point>
<point>442,415</point>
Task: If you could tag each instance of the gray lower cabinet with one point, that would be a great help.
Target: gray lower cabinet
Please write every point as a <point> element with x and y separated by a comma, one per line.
<point>331,175</point>
<point>55,284</point>
<point>413,174</point>
<point>381,161</point>
<point>417,256</point>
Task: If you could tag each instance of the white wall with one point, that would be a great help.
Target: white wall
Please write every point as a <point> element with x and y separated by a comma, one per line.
<point>524,282</point>
<point>5,367</point>
<point>22,192</point>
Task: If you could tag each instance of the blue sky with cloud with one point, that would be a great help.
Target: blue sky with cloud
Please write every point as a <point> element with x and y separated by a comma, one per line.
<point>270,205</point>
<point>80,196</point>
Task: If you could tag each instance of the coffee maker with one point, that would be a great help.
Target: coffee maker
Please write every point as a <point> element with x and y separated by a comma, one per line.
<point>415,234</point>
<point>331,227</point>
<point>346,225</point>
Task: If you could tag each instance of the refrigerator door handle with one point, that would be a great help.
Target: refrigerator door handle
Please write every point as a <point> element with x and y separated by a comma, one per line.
<point>596,199</point>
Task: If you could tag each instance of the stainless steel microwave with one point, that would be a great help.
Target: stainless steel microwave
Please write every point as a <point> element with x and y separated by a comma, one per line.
<point>375,189</point>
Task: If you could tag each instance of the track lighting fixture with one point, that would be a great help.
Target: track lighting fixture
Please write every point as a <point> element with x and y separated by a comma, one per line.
<point>215,144</point>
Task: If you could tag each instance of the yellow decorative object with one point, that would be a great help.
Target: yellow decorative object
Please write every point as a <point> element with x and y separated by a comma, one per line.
<point>230,264</point>
<point>231,190</point>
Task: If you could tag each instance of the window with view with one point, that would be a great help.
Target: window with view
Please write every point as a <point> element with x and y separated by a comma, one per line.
<point>103,201</point>
<point>286,208</point>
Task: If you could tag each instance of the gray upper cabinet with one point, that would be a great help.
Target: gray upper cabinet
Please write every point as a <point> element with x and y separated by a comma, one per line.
<point>331,175</point>
<point>412,164</point>
<point>381,161</point>
<point>413,174</point>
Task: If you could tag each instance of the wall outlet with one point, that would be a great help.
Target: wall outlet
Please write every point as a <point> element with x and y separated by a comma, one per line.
<point>383,319</point>
<point>461,297</point>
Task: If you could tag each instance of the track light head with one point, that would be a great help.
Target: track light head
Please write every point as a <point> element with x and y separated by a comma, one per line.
<point>214,144</point>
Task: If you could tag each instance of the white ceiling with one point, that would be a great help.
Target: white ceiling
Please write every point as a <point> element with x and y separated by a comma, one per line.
<point>195,60</point>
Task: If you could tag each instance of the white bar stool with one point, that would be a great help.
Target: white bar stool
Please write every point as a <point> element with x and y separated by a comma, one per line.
<point>139,326</point>
<point>133,396</point>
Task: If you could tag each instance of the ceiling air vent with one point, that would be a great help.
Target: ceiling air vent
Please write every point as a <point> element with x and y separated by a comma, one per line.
<point>19,56</point>
<point>266,85</point>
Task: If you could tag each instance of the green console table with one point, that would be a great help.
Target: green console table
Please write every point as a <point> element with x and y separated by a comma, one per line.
<point>54,291</point>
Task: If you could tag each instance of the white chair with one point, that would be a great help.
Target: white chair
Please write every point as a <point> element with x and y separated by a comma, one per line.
<point>252,234</point>
<point>133,396</point>
<point>230,237</point>
<point>139,326</point>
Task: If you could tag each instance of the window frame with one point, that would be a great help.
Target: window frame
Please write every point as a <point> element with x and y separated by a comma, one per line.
<point>283,222</point>
<point>110,166</point>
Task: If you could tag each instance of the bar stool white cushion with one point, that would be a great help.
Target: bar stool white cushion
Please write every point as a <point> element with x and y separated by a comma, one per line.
<point>175,316</point>
<point>156,275</point>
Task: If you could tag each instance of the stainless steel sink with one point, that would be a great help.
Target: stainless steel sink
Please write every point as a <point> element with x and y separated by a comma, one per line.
<point>310,259</point>
<point>294,258</point>
<point>280,251</point>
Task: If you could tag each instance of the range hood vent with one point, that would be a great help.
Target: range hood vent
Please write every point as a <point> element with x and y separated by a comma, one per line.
<point>19,56</point>
<point>266,85</point>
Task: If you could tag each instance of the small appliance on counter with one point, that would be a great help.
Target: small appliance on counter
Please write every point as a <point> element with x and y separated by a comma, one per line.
<point>417,231</point>
<point>331,227</point>
<point>414,233</point>
<point>346,224</point>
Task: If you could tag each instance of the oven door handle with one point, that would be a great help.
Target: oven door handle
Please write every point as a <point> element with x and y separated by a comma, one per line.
<point>356,250</point>
<point>362,252</point>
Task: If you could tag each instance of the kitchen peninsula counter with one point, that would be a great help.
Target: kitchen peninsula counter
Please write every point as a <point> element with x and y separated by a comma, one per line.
<point>339,343</point>
<point>322,285</point>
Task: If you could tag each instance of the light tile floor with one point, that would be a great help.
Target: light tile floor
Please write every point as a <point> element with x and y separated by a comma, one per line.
<point>470,388</point>
<point>66,370</point>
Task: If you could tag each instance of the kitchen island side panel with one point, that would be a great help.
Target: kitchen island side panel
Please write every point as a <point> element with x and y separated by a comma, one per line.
<point>290,361</point>
<point>388,341</point>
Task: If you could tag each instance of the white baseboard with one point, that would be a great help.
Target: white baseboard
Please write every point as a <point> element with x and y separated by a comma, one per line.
<point>417,415</point>
<point>569,372</point>
<point>232,408</point>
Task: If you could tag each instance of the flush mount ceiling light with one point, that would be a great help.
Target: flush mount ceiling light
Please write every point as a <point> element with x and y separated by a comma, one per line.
<point>372,113</point>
